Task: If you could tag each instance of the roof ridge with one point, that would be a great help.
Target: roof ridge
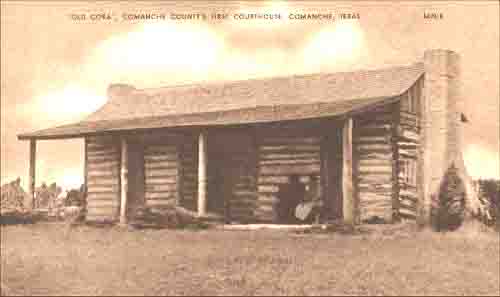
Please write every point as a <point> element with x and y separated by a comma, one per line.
<point>223,82</point>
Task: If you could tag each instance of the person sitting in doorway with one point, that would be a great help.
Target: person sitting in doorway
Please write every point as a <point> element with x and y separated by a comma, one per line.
<point>289,196</point>
<point>309,209</point>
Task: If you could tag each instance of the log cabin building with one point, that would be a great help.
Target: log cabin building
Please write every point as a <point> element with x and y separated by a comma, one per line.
<point>378,143</point>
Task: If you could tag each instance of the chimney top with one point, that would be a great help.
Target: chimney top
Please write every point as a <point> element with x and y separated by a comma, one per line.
<point>118,90</point>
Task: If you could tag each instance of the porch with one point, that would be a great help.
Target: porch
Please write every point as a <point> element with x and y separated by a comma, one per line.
<point>237,174</point>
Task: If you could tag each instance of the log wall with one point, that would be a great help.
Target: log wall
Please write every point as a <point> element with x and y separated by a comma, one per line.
<point>161,171</point>
<point>282,152</point>
<point>407,144</point>
<point>373,163</point>
<point>103,178</point>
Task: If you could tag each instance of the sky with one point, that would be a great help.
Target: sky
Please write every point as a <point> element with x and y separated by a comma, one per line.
<point>55,69</point>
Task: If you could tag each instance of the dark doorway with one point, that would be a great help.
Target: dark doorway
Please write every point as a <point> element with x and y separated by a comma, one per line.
<point>230,168</point>
<point>332,174</point>
<point>136,180</point>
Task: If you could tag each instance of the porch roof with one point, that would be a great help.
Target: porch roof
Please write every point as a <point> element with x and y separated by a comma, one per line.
<point>241,102</point>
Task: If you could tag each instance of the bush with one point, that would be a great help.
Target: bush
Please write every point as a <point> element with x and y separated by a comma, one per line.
<point>170,217</point>
<point>448,209</point>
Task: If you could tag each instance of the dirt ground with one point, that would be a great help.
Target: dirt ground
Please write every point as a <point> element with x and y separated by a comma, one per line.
<point>41,259</point>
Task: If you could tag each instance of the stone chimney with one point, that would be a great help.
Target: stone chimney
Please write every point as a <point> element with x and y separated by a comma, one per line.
<point>119,90</point>
<point>441,145</point>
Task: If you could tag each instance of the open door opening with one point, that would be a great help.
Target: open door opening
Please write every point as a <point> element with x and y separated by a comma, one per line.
<point>332,176</point>
<point>135,198</point>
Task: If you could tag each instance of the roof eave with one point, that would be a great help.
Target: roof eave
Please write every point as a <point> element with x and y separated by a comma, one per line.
<point>55,136</point>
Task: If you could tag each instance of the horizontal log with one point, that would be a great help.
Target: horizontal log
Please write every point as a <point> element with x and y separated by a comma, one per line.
<point>375,168</point>
<point>408,146</point>
<point>160,172</point>
<point>379,179</point>
<point>161,180</point>
<point>103,203</point>
<point>173,191</point>
<point>288,156</point>
<point>244,190</point>
<point>247,193</point>
<point>378,173</point>
<point>161,187</point>
<point>375,185</point>
<point>373,147</point>
<point>166,162</point>
<point>382,153</point>
<point>289,169</point>
<point>103,182</point>
<point>160,157</point>
<point>268,188</point>
<point>375,155</point>
<point>375,162</point>
<point>103,188</point>
<point>156,203</point>
<point>374,190</point>
<point>107,174</point>
<point>110,165</point>
<point>289,140</point>
<point>408,155</point>
<point>103,152</point>
<point>102,196</point>
<point>287,162</point>
<point>365,138</point>
<point>263,208</point>
<point>369,126</point>
<point>299,148</point>
<point>264,215</point>
<point>101,145</point>
<point>242,202</point>
<point>160,195</point>
<point>103,158</point>
<point>372,202</point>
<point>409,203</point>
<point>410,121</point>
<point>413,138</point>
<point>100,160</point>
<point>262,180</point>
<point>379,208</point>
<point>407,213</point>
<point>155,167</point>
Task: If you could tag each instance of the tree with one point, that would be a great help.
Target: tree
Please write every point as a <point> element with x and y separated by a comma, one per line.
<point>448,209</point>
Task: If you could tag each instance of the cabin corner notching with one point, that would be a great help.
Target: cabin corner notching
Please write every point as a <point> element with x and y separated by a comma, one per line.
<point>368,145</point>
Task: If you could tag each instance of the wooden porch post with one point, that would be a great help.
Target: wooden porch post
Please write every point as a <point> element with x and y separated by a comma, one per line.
<point>202,174</point>
<point>123,181</point>
<point>32,170</point>
<point>347,176</point>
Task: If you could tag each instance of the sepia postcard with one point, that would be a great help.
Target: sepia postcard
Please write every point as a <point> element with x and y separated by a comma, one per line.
<point>250,148</point>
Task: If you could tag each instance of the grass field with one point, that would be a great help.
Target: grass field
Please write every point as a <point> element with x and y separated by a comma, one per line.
<point>41,260</point>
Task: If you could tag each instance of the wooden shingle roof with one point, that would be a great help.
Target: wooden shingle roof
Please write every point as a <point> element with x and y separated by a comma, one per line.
<point>241,102</point>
